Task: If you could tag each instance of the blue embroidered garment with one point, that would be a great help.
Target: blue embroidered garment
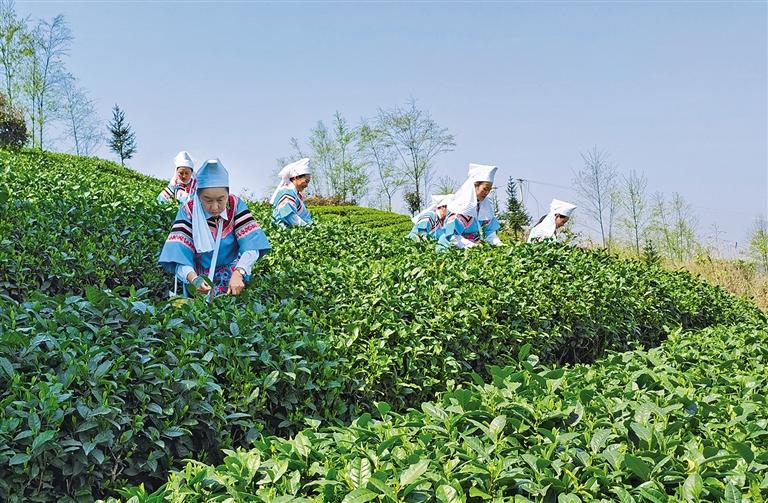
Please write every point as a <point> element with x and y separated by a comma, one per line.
<point>178,191</point>
<point>470,228</point>
<point>240,233</point>
<point>288,205</point>
<point>428,225</point>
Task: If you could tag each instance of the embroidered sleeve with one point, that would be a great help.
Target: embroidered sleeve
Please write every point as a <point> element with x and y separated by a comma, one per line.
<point>248,232</point>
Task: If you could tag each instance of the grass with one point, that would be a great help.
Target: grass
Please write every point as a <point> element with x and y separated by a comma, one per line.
<point>740,277</point>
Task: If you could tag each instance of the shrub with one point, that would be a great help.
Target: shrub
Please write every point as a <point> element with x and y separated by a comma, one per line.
<point>13,129</point>
<point>102,381</point>
<point>674,423</point>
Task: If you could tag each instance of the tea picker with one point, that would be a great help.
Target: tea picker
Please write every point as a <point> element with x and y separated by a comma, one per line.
<point>550,224</point>
<point>470,218</point>
<point>288,207</point>
<point>214,241</point>
<point>180,185</point>
<point>430,223</point>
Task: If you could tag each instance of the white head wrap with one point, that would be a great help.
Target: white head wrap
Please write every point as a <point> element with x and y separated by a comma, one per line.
<point>182,160</point>
<point>294,169</point>
<point>547,227</point>
<point>436,200</point>
<point>464,201</point>
<point>211,174</point>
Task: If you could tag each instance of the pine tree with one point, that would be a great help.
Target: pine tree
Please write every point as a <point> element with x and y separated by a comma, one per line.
<point>650,255</point>
<point>516,217</point>
<point>123,141</point>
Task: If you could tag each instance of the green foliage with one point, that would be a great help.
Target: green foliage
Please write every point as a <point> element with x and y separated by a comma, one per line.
<point>326,201</point>
<point>5,188</point>
<point>77,221</point>
<point>368,218</point>
<point>347,174</point>
<point>412,201</point>
<point>13,129</point>
<point>758,243</point>
<point>516,217</point>
<point>123,139</point>
<point>650,255</point>
<point>673,227</point>
<point>103,382</point>
<point>684,422</point>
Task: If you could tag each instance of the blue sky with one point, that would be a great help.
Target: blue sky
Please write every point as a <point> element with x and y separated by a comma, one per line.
<point>676,90</point>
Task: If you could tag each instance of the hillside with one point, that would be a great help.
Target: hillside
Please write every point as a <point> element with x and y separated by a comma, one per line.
<point>103,382</point>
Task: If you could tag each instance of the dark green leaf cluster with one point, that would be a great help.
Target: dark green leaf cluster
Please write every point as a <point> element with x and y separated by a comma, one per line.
<point>73,221</point>
<point>687,421</point>
<point>13,127</point>
<point>102,381</point>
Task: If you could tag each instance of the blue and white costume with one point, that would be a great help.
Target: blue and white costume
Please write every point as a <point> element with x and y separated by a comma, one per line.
<point>288,207</point>
<point>176,190</point>
<point>547,227</point>
<point>470,222</point>
<point>428,224</point>
<point>213,246</point>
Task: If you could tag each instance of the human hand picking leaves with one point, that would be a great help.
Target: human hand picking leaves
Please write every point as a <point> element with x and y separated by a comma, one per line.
<point>236,283</point>
<point>198,283</point>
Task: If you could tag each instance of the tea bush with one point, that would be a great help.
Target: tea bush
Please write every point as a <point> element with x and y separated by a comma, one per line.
<point>370,218</point>
<point>687,421</point>
<point>103,382</point>
<point>72,222</point>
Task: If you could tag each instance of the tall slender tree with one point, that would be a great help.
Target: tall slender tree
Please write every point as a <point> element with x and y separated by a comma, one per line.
<point>348,176</point>
<point>634,207</point>
<point>13,49</point>
<point>674,225</point>
<point>81,123</point>
<point>417,139</point>
<point>758,243</point>
<point>596,184</point>
<point>322,155</point>
<point>49,45</point>
<point>382,158</point>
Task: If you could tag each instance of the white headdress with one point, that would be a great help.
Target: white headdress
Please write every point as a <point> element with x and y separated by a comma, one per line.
<point>464,201</point>
<point>547,227</point>
<point>211,174</point>
<point>436,200</point>
<point>182,160</point>
<point>294,169</point>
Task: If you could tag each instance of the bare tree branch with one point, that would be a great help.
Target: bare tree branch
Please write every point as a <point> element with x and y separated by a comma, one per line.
<point>48,45</point>
<point>13,40</point>
<point>595,183</point>
<point>79,115</point>
<point>635,206</point>
<point>417,139</point>
<point>383,158</point>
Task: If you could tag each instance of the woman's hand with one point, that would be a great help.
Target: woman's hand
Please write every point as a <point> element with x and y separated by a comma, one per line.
<point>198,283</point>
<point>236,283</point>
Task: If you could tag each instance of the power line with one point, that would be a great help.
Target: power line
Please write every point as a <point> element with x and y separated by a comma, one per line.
<point>733,212</point>
<point>549,184</point>
<point>538,205</point>
<point>571,189</point>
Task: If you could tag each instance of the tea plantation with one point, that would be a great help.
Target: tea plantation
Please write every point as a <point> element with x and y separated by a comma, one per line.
<point>357,366</point>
